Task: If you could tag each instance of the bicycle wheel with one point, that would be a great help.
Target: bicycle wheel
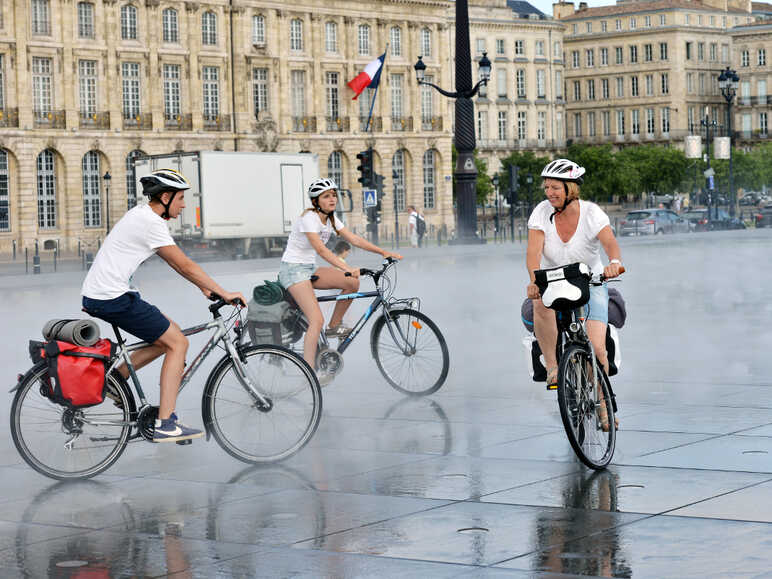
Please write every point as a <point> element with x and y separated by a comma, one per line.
<point>581,398</point>
<point>41,428</point>
<point>254,434</point>
<point>414,359</point>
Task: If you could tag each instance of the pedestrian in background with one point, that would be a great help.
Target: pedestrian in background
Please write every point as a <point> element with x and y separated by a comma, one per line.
<point>412,223</point>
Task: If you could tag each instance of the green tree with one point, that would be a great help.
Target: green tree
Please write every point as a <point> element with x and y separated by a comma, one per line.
<point>528,164</point>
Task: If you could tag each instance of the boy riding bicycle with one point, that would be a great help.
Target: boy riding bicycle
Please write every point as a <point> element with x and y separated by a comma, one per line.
<point>107,292</point>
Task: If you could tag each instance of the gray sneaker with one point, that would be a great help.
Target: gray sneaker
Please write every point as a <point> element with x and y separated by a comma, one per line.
<point>339,331</point>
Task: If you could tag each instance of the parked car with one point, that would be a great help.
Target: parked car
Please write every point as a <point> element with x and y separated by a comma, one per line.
<point>764,217</point>
<point>652,221</point>
<point>718,220</point>
<point>751,198</point>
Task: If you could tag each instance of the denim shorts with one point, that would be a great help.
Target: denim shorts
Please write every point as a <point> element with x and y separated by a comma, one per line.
<point>597,307</point>
<point>292,273</point>
<point>130,313</point>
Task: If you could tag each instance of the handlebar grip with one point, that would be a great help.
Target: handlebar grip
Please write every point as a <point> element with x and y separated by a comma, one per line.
<point>347,274</point>
<point>621,269</point>
<point>213,297</point>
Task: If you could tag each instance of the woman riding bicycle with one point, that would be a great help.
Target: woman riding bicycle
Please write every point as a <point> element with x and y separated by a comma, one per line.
<point>561,230</point>
<point>309,235</point>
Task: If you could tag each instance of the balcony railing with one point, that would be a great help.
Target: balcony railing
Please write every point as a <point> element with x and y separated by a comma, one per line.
<point>750,135</point>
<point>217,122</point>
<point>9,118</point>
<point>515,144</point>
<point>138,122</point>
<point>183,122</point>
<point>431,124</point>
<point>376,124</point>
<point>304,124</point>
<point>401,124</point>
<point>338,124</point>
<point>753,101</point>
<point>94,120</point>
<point>50,119</point>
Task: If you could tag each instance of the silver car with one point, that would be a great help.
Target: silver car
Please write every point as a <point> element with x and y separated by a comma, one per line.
<point>653,221</point>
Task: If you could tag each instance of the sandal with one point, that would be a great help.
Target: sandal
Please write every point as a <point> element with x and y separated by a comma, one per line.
<point>603,417</point>
<point>552,378</point>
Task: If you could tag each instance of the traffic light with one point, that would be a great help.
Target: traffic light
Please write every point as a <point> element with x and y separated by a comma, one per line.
<point>366,168</point>
<point>379,186</point>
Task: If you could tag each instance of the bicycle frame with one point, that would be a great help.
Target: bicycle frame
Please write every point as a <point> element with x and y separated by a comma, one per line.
<point>218,336</point>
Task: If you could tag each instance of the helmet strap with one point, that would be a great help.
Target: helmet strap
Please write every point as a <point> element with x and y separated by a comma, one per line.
<point>315,202</point>
<point>565,202</point>
<point>165,215</point>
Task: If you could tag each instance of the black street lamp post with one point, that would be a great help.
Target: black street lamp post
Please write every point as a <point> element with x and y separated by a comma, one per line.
<point>465,171</point>
<point>107,177</point>
<point>727,82</point>
<point>495,181</point>
<point>709,124</point>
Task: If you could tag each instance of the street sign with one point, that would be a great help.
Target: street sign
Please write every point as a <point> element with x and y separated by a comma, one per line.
<point>709,172</point>
<point>711,183</point>
<point>370,197</point>
<point>721,148</point>
<point>693,146</point>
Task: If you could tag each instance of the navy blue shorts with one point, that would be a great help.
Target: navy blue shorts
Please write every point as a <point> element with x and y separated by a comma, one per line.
<point>130,313</point>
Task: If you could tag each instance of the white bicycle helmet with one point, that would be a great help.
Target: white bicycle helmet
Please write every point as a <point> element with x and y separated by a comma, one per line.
<point>564,170</point>
<point>319,186</point>
<point>163,180</point>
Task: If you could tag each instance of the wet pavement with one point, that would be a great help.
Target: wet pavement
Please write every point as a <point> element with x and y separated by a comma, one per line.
<point>476,481</point>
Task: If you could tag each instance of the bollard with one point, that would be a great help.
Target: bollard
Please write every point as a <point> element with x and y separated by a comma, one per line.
<point>80,254</point>
<point>14,249</point>
<point>392,241</point>
<point>36,259</point>
<point>26,260</point>
<point>89,259</point>
<point>520,234</point>
<point>55,252</point>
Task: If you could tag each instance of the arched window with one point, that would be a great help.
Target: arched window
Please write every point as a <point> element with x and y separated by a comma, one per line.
<point>335,168</point>
<point>171,31</point>
<point>131,178</point>
<point>46,190</point>
<point>258,29</point>
<point>398,171</point>
<point>430,178</point>
<point>5,206</point>
<point>209,29</point>
<point>396,41</point>
<point>92,198</point>
<point>128,22</point>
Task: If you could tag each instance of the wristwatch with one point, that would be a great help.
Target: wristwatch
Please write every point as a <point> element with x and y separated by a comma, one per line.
<point>615,261</point>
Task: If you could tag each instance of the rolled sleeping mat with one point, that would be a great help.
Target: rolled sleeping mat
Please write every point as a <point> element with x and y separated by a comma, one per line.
<point>79,332</point>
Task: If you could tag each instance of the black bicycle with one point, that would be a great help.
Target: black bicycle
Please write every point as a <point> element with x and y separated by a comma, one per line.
<point>407,346</point>
<point>261,404</point>
<point>585,397</point>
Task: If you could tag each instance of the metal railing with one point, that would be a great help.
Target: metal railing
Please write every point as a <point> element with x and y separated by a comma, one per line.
<point>221,122</point>
<point>518,144</point>
<point>376,124</point>
<point>94,120</point>
<point>140,122</point>
<point>304,124</point>
<point>50,119</point>
<point>431,124</point>
<point>183,122</point>
<point>9,118</point>
<point>338,124</point>
<point>401,124</point>
<point>753,101</point>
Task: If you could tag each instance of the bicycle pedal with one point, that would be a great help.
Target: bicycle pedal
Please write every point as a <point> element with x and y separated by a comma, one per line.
<point>184,442</point>
<point>552,386</point>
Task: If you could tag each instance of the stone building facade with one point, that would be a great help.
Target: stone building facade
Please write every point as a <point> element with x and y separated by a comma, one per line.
<point>645,71</point>
<point>522,108</point>
<point>85,86</point>
<point>752,49</point>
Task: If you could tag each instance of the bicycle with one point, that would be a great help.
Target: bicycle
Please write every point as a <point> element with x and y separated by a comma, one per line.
<point>261,404</point>
<point>586,400</point>
<point>408,347</point>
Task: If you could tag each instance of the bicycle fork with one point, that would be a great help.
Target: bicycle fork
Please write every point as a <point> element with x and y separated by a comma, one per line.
<point>263,403</point>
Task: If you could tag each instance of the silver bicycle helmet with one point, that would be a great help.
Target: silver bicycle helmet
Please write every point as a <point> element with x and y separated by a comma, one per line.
<point>163,180</point>
<point>319,186</point>
<point>564,170</point>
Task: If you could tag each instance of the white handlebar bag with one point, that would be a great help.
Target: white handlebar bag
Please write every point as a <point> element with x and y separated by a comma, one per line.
<point>564,288</point>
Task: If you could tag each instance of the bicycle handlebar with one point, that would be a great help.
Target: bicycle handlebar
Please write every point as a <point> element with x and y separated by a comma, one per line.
<point>375,274</point>
<point>220,302</point>
<point>602,278</point>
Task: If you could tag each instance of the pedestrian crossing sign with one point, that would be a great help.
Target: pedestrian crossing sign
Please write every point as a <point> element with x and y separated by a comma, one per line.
<point>370,197</point>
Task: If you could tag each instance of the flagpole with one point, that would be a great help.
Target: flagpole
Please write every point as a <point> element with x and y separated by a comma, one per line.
<point>375,94</point>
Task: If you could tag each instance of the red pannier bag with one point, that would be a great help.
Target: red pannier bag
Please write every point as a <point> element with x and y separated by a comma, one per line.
<point>79,372</point>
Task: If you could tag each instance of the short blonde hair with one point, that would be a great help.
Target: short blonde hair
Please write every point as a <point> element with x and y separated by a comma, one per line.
<point>572,191</point>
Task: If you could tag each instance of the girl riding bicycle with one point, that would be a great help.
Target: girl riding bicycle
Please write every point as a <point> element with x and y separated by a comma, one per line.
<point>564,229</point>
<point>310,233</point>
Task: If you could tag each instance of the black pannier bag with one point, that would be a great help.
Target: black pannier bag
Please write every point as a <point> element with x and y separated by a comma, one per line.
<point>564,288</point>
<point>79,372</point>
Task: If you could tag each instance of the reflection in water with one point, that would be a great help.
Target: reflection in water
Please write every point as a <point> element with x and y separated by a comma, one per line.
<point>106,540</point>
<point>418,426</point>
<point>571,541</point>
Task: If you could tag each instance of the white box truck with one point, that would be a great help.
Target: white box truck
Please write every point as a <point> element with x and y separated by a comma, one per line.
<point>242,203</point>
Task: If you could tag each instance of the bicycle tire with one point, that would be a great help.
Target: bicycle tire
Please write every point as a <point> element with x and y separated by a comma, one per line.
<point>385,351</point>
<point>225,399</point>
<point>43,448</point>
<point>578,402</point>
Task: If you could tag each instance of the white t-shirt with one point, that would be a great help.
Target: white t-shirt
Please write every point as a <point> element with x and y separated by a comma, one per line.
<point>299,248</point>
<point>135,237</point>
<point>583,247</point>
<point>412,218</point>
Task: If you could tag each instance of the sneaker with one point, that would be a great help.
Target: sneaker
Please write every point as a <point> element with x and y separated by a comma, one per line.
<point>324,378</point>
<point>339,331</point>
<point>169,430</point>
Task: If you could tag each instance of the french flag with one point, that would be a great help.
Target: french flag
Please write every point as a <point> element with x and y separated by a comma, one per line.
<point>370,77</point>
